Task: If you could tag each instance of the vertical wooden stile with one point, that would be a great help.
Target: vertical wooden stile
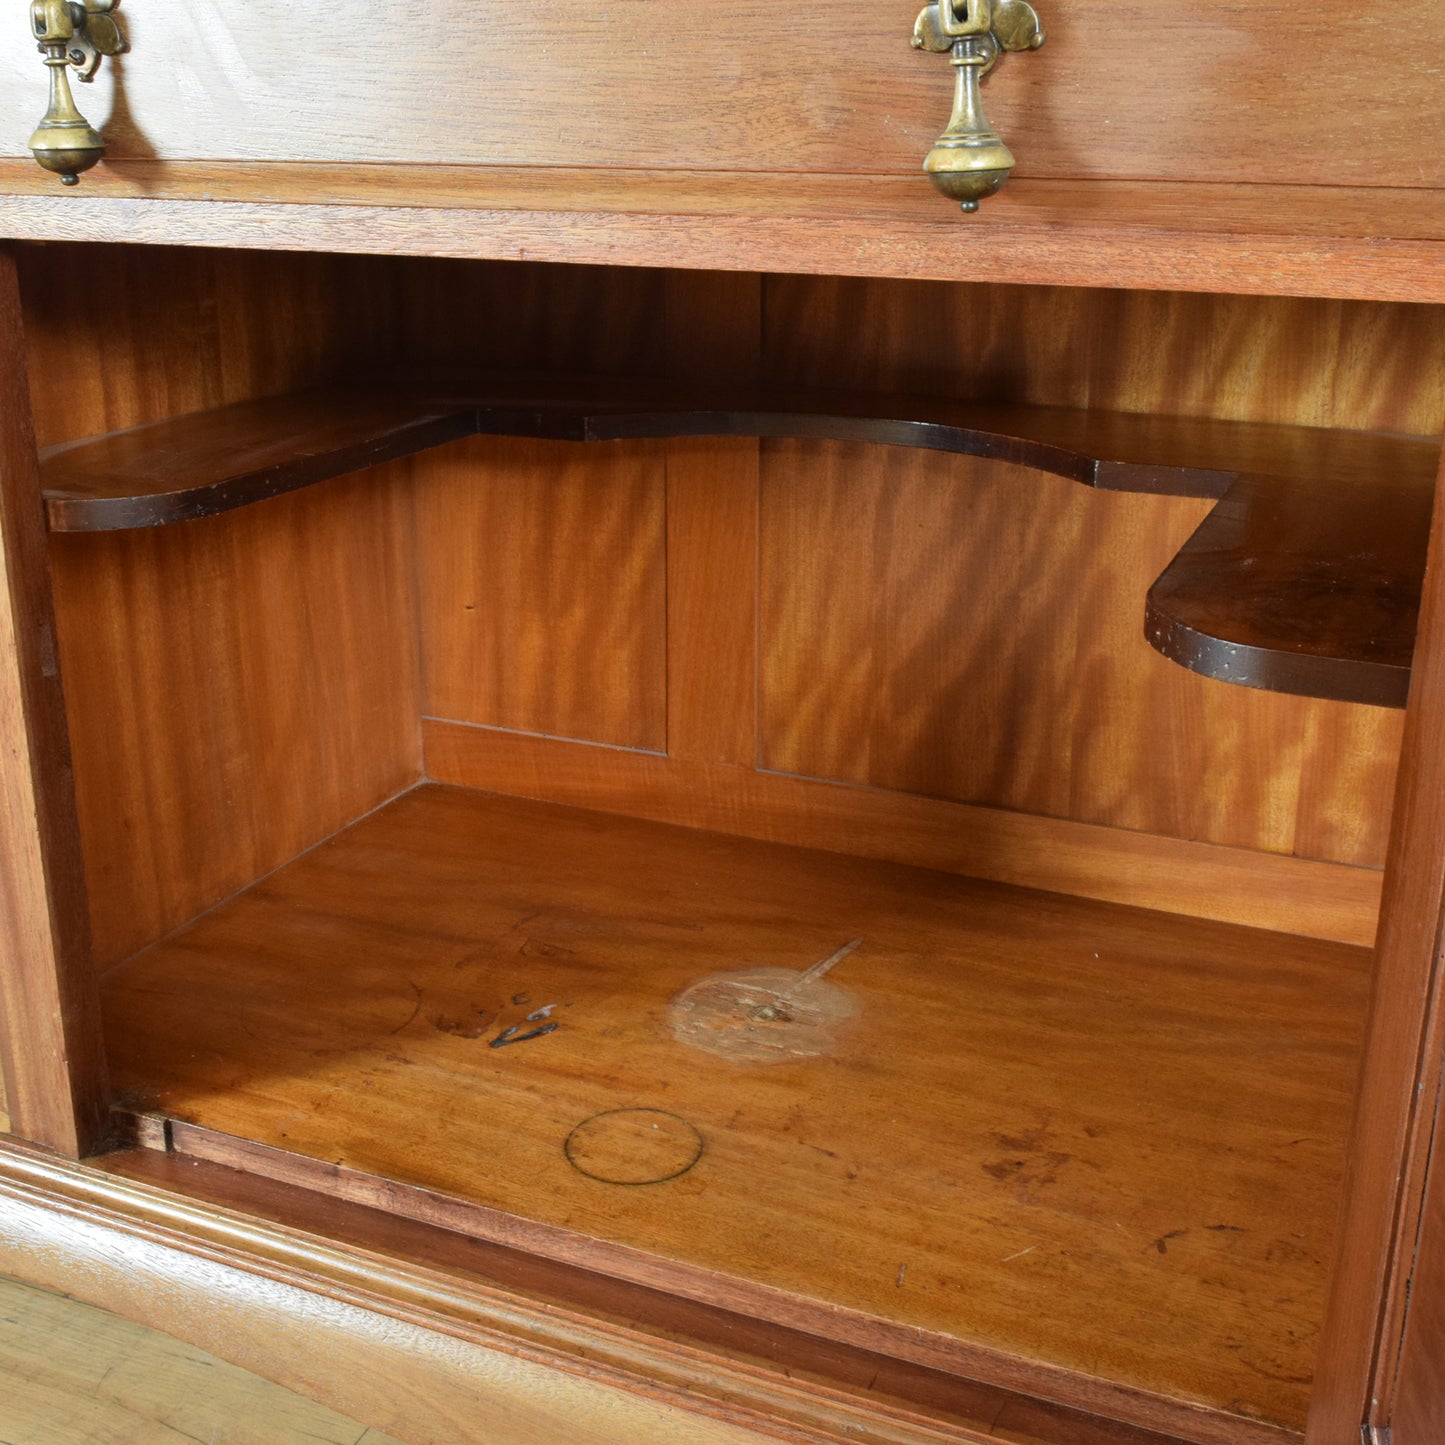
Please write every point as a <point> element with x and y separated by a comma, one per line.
<point>714,325</point>
<point>1401,1077</point>
<point>52,1052</point>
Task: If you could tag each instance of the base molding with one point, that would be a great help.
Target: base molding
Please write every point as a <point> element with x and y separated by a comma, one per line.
<point>352,1317</point>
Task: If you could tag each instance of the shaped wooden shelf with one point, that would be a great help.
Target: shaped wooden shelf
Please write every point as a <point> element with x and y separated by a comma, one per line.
<point>1306,579</point>
<point>996,1112</point>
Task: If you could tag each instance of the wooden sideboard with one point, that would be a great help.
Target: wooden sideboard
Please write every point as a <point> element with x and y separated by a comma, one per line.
<point>655,790</point>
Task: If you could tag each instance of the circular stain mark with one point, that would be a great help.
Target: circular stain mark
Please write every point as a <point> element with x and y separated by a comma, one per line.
<point>633,1146</point>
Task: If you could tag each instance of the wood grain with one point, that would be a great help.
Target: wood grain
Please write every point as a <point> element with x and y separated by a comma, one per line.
<point>714,335</point>
<point>76,1375</point>
<point>1263,98</point>
<point>434,1376</point>
<point>51,1054</point>
<point>611,1338</point>
<point>348,1001</point>
<point>542,588</point>
<point>1303,588</point>
<point>238,689</point>
<point>1415,1405</point>
<point>1235,885</point>
<point>950,643</point>
<point>1259,240</point>
<point>208,462</point>
<point>183,330</point>
<point>1400,1078</point>
<point>1277,360</point>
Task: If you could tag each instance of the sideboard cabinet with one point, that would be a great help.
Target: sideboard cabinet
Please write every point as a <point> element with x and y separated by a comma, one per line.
<point>656,790</point>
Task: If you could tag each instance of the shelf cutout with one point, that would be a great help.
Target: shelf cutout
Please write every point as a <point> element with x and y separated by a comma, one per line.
<point>991,1135</point>
<point>1304,587</point>
<point>1306,578</point>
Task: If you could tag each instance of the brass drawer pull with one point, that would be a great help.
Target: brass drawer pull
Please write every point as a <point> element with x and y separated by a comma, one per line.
<point>969,161</point>
<point>71,33</point>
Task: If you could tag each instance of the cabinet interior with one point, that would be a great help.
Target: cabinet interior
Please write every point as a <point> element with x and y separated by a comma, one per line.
<point>514,732</point>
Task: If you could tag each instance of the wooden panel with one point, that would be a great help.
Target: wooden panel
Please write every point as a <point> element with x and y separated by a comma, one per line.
<point>1270,240</point>
<point>1303,587</point>
<point>714,335</point>
<point>208,462</point>
<point>1401,1079</point>
<point>949,641</point>
<point>274,1306</point>
<point>236,692</point>
<point>238,688</point>
<point>1159,90</point>
<point>590,1332</point>
<point>76,1375</point>
<point>1258,359</point>
<point>1305,778</point>
<point>1416,1413</point>
<point>1100,1216</point>
<point>181,330</point>
<point>543,603</point>
<point>1294,895</point>
<point>50,1048</point>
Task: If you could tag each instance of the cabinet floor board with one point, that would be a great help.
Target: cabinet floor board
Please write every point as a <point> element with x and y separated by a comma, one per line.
<point>1086,1137</point>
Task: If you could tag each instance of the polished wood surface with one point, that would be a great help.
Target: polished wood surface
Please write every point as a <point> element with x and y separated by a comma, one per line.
<point>204,463</point>
<point>1119,865</point>
<point>1158,88</point>
<point>429,1360</point>
<point>207,462</point>
<point>76,1375</point>
<point>1310,241</point>
<point>1303,587</point>
<point>946,641</point>
<point>501,1309</point>
<point>542,596</point>
<point>1401,1075</point>
<point>1414,1408</point>
<point>208,753</point>
<point>51,1053</point>
<point>237,689</point>
<point>310,1002</point>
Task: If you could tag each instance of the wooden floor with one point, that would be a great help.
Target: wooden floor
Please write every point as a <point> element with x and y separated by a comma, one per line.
<point>74,1375</point>
<point>1100,1138</point>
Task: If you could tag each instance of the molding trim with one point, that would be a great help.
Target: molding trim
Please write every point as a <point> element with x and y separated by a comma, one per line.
<point>1202,880</point>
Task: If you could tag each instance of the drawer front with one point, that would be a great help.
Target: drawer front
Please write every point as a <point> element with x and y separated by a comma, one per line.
<point>1290,93</point>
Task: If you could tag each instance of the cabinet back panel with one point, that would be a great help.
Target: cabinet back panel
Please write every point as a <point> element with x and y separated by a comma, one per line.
<point>1361,365</point>
<point>543,604</point>
<point>973,631</point>
<point>1142,88</point>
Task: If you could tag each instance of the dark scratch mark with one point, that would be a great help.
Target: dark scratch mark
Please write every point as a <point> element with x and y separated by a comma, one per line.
<point>416,989</point>
<point>1162,1243</point>
<point>511,1036</point>
<point>1226,1229</point>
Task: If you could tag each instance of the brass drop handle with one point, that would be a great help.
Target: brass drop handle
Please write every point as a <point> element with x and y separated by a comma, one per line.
<point>969,161</point>
<point>71,33</point>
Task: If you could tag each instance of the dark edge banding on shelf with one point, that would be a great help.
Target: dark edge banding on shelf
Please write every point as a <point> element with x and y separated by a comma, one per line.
<point>1305,578</point>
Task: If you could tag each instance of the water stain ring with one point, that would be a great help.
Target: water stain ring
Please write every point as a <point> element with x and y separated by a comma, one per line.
<point>633,1147</point>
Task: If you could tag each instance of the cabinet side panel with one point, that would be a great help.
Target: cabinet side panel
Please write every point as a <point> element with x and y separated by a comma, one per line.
<point>239,687</point>
<point>1418,1416</point>
<point>51,1052</point>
